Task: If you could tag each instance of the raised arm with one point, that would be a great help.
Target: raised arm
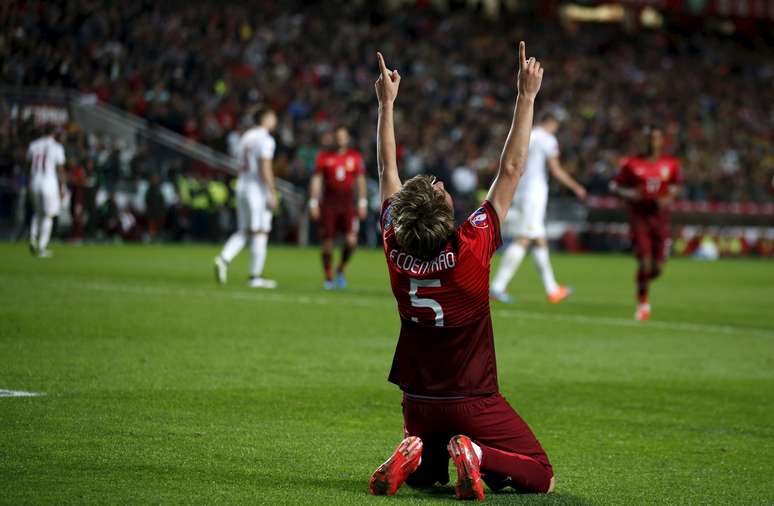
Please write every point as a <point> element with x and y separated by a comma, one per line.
<point>386,90</point>
<point>514,153</point>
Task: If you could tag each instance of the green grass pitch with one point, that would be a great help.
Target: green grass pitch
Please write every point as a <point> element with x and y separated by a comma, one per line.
<point>164,388</point>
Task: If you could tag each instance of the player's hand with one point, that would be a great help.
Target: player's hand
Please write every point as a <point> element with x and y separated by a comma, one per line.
<point>388,82</point>
<point>314,212</point>
<point>581,193</point>
<point>630,194</point>
<point>665,201</point>
<point>530,74</point>
<point>362,213</point>
<point>271,201</point>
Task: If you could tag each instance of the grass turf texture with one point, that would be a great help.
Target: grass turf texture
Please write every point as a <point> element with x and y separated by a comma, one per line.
<point>165,388</point>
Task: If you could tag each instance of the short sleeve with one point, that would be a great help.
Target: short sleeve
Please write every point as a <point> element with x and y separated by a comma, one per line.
<point>481,232</point>
<point>266,151</point>
<point>60,155</point>
<point>624,176</point>
<point>319,163</point>
<point>552,147</point>
<point>677,174</point>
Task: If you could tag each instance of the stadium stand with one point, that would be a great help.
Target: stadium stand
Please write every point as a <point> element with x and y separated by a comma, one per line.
<point>195,69</point>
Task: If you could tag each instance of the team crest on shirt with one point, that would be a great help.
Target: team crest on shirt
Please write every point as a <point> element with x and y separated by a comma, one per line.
<point>664,172</point>
<point>350,164</point>
<point>387,218</point>
<point>479,218</point>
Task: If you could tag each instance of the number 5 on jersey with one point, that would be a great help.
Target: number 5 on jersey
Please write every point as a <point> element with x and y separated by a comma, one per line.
<point>433,304</point>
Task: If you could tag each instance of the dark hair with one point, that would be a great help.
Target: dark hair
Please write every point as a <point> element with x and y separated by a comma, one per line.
<point>647,135</point>
<point>547,116</point>
<point>422,218</point>
<point>260,113</point>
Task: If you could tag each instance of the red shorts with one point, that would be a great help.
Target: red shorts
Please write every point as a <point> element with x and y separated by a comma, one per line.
<point>488,420</point>
<point>337,221</point>
<point>651,236</point>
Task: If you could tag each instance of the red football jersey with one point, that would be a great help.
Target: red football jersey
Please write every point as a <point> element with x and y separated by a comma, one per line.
<point>446,344</point>
<point>339,171</point>
<point>651,177</point>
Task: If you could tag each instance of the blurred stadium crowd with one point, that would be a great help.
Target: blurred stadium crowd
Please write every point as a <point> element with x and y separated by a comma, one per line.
<point>195,68</point>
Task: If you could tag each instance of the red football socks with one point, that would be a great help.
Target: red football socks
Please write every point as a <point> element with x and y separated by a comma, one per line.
<point>643,283</point>
<point>526,473</point>
<point>346,253</point>
<point>327,261</point>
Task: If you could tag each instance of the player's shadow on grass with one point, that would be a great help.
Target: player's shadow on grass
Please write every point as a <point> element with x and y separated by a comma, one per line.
<point>446,493</point>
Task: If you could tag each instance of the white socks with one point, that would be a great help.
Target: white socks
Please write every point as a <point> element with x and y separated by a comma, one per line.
<point>45,232</point>
<point>233,246</point>
<point>512,258</point>
<point>543,264</point>
<point>34,230</point>
<point>257,254</point>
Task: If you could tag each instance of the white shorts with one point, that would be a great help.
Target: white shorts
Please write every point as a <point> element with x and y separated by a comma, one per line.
<point>45,198</point>
<point>526,218</point>
<point>253,213</point>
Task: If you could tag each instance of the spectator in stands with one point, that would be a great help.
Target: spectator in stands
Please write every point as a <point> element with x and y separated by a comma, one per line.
<point>196,68</point>
<point>155,207</point>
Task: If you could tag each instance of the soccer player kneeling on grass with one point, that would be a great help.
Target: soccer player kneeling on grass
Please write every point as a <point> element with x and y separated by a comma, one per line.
<point>445,359</point>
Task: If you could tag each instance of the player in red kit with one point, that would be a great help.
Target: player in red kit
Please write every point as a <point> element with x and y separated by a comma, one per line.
<point>445,359</point>
<point>336,175</point>
<point>649,184</point>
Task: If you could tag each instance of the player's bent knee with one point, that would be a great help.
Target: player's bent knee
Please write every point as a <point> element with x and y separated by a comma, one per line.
<point>551,485</point>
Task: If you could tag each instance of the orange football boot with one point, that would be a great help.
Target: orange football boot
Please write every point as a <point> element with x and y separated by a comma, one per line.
<point>560,294</point>
<point>388,477</point>
<point>469,485</point>
<point>643,312</point>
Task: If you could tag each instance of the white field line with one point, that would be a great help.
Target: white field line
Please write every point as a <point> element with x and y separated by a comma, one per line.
<point>368,301</point>
<point>19,393</point>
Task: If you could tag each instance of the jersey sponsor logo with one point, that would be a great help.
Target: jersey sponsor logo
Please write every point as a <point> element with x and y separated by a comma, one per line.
<point>479,219</point>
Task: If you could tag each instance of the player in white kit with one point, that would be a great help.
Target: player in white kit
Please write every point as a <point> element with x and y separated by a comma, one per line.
<point>255,200</point>
<point>526,219</point>
<point>47,157</point>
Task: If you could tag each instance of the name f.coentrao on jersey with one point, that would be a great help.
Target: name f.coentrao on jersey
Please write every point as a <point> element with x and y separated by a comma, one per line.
<point>446,344</point>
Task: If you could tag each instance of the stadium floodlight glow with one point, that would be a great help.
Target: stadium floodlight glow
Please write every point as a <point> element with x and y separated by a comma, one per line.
<point>651,18</point>
<point>606,13</point>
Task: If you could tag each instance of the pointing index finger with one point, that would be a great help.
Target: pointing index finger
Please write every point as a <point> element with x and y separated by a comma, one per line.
<point>522,54</point>
<point>382,66</point>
